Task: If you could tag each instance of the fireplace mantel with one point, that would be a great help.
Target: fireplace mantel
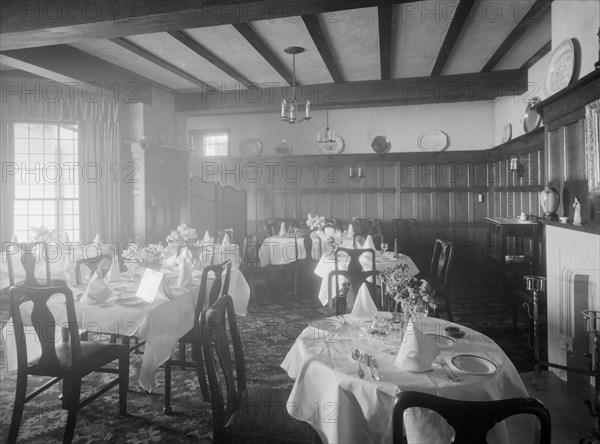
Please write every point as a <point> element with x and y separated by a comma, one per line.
<point>592,229</point>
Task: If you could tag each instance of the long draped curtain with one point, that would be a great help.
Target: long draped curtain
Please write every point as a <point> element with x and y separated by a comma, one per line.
<point>99,153</point>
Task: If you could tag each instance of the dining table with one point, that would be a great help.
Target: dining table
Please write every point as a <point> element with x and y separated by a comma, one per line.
<point>330,395</point>
<point>383,261</point>
<point>160,323</point>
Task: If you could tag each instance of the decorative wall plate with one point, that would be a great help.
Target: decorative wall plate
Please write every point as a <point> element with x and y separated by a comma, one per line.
<point>251,147</point>
<point>283,148</point>
<point>506,133</point>
<point>332,148</point>
<point>561,67</point>
<point>531,119</point>
<point>432,141</point>
<point>381,145</point>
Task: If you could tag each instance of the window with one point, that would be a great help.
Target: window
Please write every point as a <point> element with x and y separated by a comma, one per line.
<point>46,182</point>
<point>211,143</point>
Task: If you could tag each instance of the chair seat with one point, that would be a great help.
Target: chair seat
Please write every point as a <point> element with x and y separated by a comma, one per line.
<point>93,355</point>
<point>262,417</point>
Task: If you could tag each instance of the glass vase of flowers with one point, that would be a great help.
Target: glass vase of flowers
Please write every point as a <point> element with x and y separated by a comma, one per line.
<point>315,222</point>
<point>44,234</point>
<point>411,295</point>
<point>180,237</point>
<point>330,239</point>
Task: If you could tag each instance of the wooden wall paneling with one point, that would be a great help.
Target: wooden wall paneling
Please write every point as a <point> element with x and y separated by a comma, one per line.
<point>462,207</point>
<point>355,207</point>
<point>555,161</point>
<point>371,205</point>
<point>444,200</point>
<point>574,156</point>
<point>425,213</point>
<point>251,212</point>
<point>307,203</point>
<point>388,173</point>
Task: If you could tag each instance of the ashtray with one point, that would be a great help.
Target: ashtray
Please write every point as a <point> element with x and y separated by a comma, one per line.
<point>454,331</point>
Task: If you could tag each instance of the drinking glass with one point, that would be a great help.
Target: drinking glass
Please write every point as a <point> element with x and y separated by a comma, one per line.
<point>384,247</point>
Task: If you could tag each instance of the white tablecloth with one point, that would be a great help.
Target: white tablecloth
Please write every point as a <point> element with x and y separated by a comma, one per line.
<point>343,408</point>
<point>160,324</point>
<point>382,262</point>
<point>278,250</point>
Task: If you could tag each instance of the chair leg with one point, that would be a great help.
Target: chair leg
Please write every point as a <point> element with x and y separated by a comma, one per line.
<point>17,415</point>
<point>167,409</point>
<point>71,391</point>
<point>199,361</point>
<point>123,379</point>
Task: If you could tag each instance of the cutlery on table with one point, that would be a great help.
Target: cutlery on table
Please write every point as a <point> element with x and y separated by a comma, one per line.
<point>375,367</point>
<point>449,373</point>
<point>356,355</point>
<point>367,359</point>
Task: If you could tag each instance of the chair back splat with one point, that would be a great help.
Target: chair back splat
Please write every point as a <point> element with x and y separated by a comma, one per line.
<point>471,420</point>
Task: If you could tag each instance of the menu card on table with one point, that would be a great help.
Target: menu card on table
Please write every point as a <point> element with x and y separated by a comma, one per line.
<point>153,286</point>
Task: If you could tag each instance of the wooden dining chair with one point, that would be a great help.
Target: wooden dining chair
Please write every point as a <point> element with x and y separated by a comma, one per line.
<point>218,288</point>
<point>404,230</point>
<point>439,277</point>
<point>241,414</point>
<point>68,361</point>
<point>102,263</point>
<point>356,273</point>
<point>30,254</point>
<point>471,420</point>
<point>362,226</point>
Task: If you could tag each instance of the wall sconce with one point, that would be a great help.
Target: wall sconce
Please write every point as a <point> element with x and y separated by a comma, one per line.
<point>356,173</point>
<point>516,167</point>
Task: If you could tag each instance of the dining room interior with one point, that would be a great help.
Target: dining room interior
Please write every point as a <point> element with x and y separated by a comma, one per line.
<point>291,221</point>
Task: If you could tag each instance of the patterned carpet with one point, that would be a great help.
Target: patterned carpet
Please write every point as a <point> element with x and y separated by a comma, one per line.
<point>276,319</point>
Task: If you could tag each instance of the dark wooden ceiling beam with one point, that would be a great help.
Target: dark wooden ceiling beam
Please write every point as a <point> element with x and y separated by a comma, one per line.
<point>124,43</point>
<point>210,57</point>
<point>419,90</point>
<point>532,16</point>
<point>384,16</point>
<point>318,36</point>
<point>31,23</point>
<point>78,69</point>
<point>463,10</point>
<point>252,37</point>
<point>537,56</point>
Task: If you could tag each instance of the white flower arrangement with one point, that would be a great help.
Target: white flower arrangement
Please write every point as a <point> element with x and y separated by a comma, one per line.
<point>150,256</point>
<point>182,235</point>
<point>412,293</point>
<point>315,222</point>
<point>43,234</point>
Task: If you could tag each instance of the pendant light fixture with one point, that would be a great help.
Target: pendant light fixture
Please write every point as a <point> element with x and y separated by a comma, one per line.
<point>289,110</point>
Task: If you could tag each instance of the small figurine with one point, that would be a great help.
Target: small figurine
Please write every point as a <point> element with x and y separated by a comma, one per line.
<point>577,215</point>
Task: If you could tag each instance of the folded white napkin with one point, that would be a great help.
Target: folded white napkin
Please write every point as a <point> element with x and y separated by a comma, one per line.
<point>65,238</point>
<point>418,350</point>
<point>364,307</point>
<point>97,291</point>
<point>207,237</point>
<point>350,230</point>
<point>98,239</point>
<point>226,240</point>
<point>185,273</point>
<point>282,231</point>
<point>14,238</point>
<point>368,243</point>
<point>114,274</point>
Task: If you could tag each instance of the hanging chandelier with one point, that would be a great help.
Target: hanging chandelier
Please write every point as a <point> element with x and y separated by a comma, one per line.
<point>329,136</point>
<point>289,110</point>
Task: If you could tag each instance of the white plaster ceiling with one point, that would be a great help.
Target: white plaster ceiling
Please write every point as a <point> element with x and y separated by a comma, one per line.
<point>418,31</point>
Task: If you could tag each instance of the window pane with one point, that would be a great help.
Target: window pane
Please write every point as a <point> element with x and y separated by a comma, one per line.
<point>21,191</point>
<point>21,131</point>
<point>21,146</point>
<point>20,207</point>
<point>49,207</point>
<point>51,146</point>
<point>36,131</point>
<point>68,132</point>
<point>67,147</point>
<point>36,146</point>
<point>50,131</point>
<point>36,207</point>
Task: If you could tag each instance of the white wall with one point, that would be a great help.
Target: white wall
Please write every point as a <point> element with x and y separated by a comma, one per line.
<point>468,126</point>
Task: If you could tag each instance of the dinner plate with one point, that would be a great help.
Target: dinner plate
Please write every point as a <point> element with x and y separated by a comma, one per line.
<point>327,325</point>
<point>561,67</point>
<point>474,365</point>
<point>454,331</point>
<point>129,301</point>
<point>441,340</point>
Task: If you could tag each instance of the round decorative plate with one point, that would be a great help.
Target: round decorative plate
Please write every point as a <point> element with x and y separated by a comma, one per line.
<point>506,133</point>
<point>432,141</point>
<point>474,365</point>
<point>251,147</point>
<point>283,148</point>
<point>381,144</point>
<point>561,67</point>
<point>332,148</point>
<point>531,119</point>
